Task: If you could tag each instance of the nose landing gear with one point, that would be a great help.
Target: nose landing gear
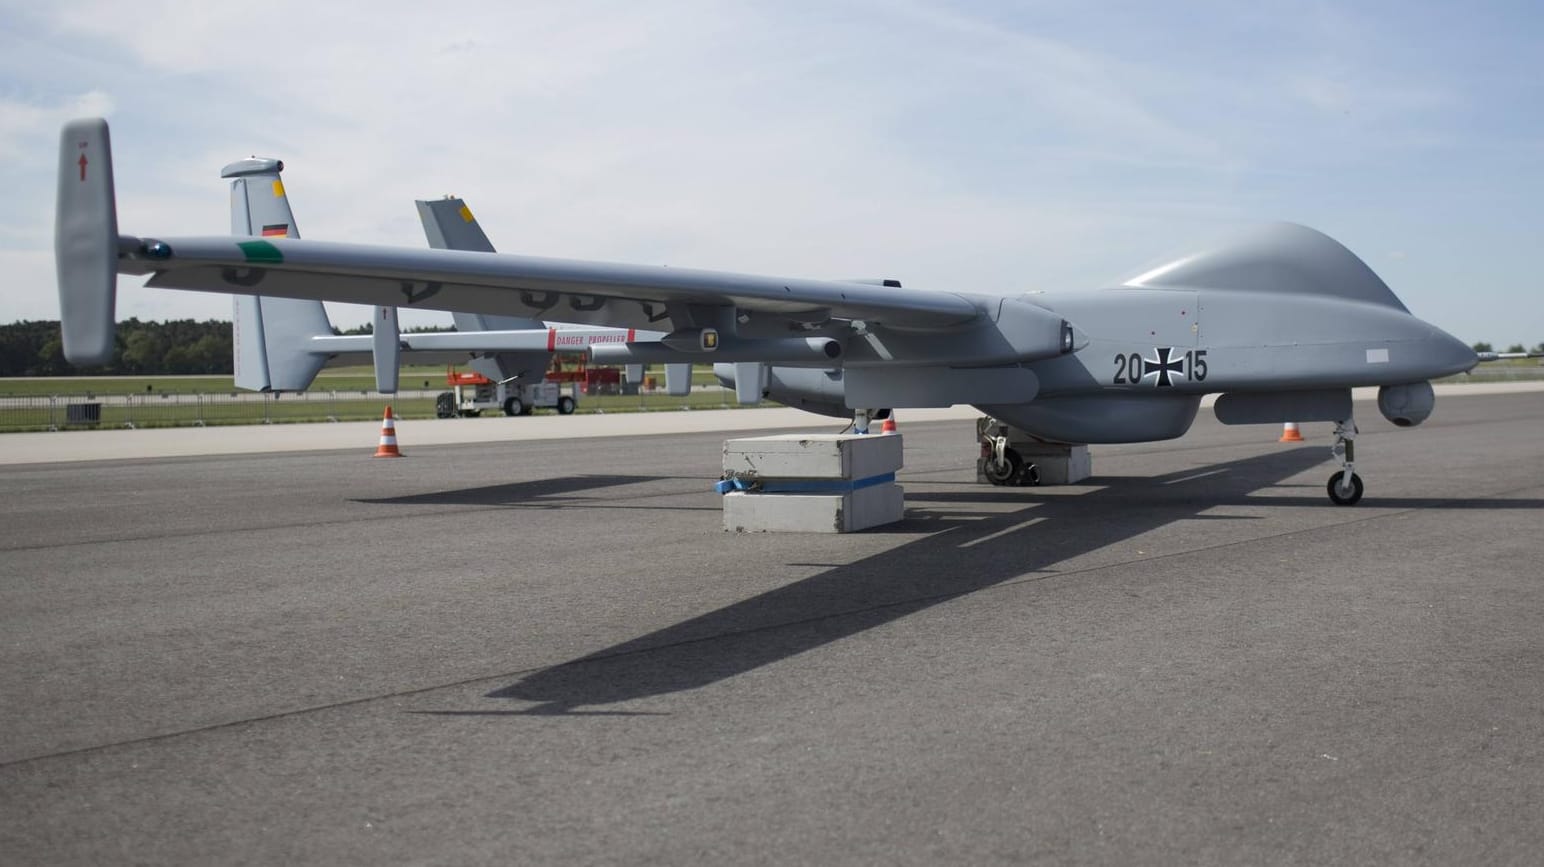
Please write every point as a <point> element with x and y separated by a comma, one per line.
<point>1345,486</point>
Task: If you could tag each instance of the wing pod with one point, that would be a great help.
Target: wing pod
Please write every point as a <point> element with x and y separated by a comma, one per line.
<point>808,351</point>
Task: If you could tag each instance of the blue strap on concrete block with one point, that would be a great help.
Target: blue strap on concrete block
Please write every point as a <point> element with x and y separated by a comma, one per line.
<point>802,486</point>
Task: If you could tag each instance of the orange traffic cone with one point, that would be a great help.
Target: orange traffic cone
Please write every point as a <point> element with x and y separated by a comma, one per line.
<point>1289,434</point>
<point>889,425</point>
<point>388,446</point>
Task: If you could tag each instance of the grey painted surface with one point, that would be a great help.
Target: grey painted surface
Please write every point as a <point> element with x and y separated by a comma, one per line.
<point>86,241</point>
<point>548,652</point>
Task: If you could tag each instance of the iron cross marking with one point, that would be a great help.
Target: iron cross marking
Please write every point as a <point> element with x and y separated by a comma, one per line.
<point>1163,366</point>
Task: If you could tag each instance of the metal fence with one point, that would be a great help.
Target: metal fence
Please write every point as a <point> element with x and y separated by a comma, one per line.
<point>172,409</point>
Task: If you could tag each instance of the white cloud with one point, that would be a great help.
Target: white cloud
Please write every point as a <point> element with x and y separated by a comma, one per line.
<point>28,128</point>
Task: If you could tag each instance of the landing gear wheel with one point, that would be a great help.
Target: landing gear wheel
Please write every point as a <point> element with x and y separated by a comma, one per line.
<point>1007,472</point>
<point>565,405</point>
<point>445,405</point>
<point>513,406</point>
<point>1013,472</point>
<point>1345,498</point>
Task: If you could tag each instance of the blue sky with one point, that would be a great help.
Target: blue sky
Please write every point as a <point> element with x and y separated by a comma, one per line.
<point>970,146</point>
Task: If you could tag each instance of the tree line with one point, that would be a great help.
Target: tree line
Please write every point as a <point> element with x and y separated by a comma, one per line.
<point>180,346</point>
<point>1482,346</point>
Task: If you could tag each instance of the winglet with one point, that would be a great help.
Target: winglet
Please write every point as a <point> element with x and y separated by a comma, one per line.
<point>86,242</point>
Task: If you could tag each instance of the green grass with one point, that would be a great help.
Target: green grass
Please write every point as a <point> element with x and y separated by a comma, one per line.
<point>220,410</point>
<point>356,378</point>
<point>117,385</point>
<point>340,395</point>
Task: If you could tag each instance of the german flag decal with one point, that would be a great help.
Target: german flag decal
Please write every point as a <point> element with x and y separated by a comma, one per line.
<point>278,230</point>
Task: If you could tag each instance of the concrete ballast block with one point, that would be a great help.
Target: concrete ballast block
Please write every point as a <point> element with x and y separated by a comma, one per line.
<point>814,456</point>
<point>813,483</point>
<point>814,513</point>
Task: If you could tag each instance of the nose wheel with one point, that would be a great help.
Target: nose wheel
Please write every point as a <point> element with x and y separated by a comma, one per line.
<point>1345,486</point>
<point>1342,493</point>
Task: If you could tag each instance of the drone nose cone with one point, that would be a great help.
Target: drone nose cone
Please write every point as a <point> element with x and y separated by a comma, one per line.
<point>1449,355</point>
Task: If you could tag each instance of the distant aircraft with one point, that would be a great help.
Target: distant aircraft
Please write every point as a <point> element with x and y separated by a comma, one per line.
<point>1282,322</point>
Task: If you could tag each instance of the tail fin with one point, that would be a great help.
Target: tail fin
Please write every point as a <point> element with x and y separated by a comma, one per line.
<point>86,242</point>
<point>449,225</point>
<point>272,336</point>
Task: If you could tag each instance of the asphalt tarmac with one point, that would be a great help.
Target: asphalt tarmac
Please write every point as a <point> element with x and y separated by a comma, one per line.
<point>548,652</point>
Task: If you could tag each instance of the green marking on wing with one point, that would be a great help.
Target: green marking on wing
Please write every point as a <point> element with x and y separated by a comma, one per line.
<point>260,251</point>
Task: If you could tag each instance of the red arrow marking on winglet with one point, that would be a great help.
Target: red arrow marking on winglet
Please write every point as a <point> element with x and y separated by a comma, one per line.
<point>83,167</point>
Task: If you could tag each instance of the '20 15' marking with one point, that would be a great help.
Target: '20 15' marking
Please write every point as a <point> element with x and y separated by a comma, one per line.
<point>1164,367</point>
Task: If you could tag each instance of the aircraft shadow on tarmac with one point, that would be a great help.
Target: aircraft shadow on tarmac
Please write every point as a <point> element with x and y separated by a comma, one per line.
<point>958,552</point>
<point>517,493</point>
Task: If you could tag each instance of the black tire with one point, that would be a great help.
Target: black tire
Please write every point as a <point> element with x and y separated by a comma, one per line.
<point>445,405</point>
<point>1029,476</point>
<point>514,406</point>
<point>1008,475</point>
<point>1340,499</point>
<point>565,405</point>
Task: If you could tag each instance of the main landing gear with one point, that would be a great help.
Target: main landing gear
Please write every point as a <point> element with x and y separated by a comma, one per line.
<point>1345,487</point>
<point>1005,467</point>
